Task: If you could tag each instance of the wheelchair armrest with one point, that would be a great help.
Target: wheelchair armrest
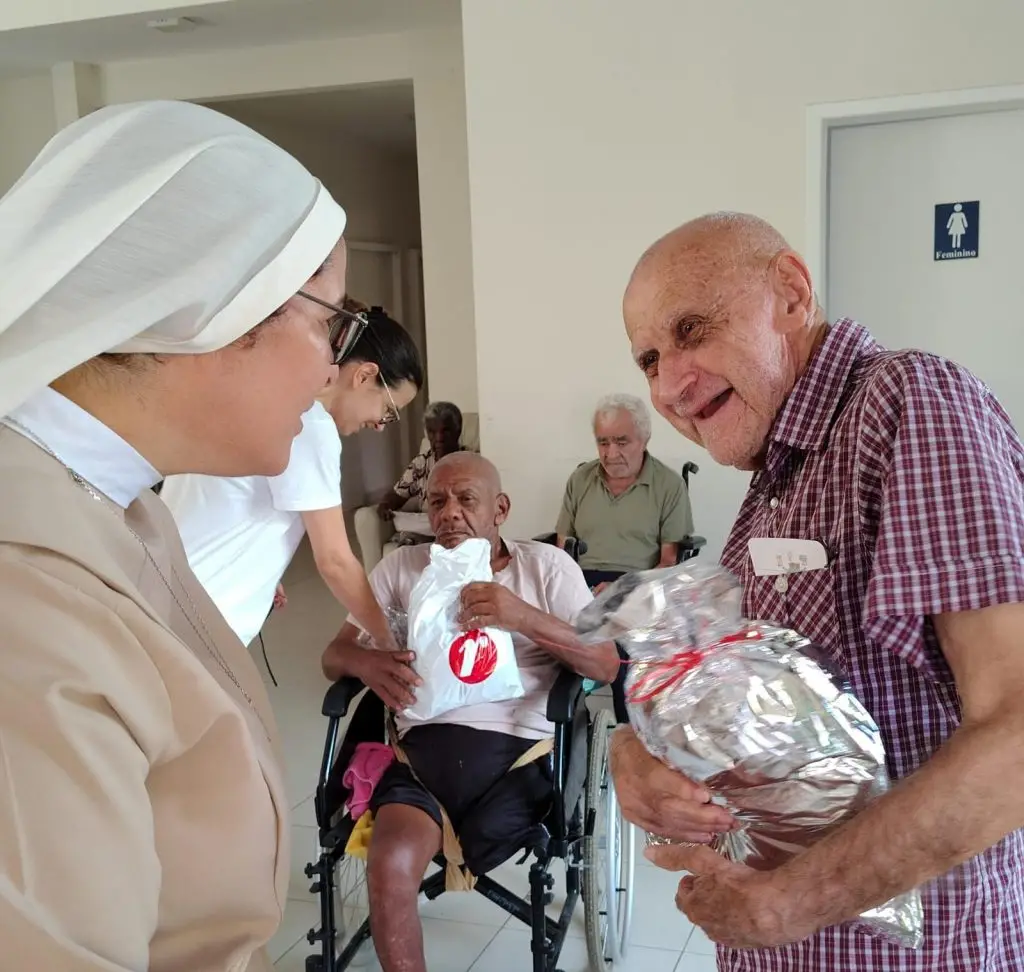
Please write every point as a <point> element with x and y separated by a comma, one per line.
<point>690,547</point>
<point>339,697</point>
<point>574,547</point>
<point>565,695</point>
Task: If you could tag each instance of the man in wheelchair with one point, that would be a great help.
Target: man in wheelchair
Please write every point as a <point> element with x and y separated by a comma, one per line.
<point>463,760</point>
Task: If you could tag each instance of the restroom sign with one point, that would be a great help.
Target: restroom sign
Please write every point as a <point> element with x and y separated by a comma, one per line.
<point>956,230</point>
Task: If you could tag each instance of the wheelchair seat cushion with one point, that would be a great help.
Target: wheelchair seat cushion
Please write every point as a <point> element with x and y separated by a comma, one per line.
<point>494,812</point>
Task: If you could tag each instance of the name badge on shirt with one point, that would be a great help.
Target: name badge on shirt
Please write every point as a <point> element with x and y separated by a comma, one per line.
<point>772,557</point>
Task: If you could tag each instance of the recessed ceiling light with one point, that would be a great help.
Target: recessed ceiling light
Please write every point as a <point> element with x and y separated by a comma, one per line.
<point>173,25</point>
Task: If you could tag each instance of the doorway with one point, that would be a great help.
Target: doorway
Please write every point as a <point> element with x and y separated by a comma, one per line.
<point>360,141</point>
<point>898,195</point>
<point>385,276</point>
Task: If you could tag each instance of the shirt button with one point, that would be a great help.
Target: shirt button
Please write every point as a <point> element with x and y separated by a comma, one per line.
<point>774,502</point>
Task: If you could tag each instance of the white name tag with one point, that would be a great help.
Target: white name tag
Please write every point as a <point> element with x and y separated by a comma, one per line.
<point>772,556</point>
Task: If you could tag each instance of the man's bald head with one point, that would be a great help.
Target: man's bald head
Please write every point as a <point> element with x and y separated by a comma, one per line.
<point>464,499</point>
<point>470,464</point>
<point>722,319</point>
<point>722,247</point>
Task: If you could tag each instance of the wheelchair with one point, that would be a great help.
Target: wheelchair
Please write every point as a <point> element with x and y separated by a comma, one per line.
<point>689,546</point>
<point>583,828</point>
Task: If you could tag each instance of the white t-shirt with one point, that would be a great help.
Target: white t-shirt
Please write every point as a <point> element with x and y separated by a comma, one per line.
<point>240,534</point>
<point>542,575</point>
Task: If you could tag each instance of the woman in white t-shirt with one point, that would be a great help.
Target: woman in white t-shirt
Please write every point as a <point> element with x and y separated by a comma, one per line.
<point>240,534</point>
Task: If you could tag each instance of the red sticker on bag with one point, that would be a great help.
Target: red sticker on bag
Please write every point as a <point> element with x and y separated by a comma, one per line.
<point>473,657</point>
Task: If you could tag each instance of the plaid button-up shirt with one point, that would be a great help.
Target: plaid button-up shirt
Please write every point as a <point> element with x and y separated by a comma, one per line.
<point>910,473</point>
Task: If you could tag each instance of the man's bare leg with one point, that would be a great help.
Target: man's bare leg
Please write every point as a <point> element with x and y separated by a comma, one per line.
<point>404,842</point>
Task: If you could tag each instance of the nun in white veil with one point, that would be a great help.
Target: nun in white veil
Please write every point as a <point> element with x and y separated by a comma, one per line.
<point>150,323</point>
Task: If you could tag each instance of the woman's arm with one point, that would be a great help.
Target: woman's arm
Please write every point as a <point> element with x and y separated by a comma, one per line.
<point>343,573</point>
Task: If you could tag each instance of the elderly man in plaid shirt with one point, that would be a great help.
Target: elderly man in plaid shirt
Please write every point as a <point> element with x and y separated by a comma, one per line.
<point>905,467</point>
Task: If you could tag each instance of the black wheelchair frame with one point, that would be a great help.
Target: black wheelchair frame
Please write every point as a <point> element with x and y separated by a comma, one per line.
<point>560,836</point>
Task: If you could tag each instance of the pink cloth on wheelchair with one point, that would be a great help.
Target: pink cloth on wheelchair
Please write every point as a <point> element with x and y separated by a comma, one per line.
<point>369,761</point>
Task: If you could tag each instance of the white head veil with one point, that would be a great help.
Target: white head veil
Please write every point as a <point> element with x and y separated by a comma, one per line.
<point>154,227</point>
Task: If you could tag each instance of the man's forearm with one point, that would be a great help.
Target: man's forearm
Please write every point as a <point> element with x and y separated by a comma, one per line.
<point>559,638</point>
<point>335,660</point>
<point>967,797</point>
<point>393,501</point>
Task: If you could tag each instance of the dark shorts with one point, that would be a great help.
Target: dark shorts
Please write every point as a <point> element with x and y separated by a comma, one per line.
<point>595,577</point>
<point>492,810</point>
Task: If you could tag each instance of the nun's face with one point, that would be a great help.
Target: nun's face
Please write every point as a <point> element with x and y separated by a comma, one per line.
<point>257,390</point>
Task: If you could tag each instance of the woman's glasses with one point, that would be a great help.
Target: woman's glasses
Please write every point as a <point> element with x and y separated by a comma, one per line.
<point>391,413</point>
<point>346,328</point>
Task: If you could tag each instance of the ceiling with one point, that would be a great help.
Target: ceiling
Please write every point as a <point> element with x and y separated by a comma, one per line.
<point>378,114</point>
<point>232,24</point>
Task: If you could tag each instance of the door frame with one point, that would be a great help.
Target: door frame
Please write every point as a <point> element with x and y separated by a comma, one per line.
<point>397,310</point>
<point>821,119</point>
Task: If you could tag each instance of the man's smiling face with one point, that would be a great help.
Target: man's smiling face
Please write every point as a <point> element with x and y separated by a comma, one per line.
<point>712,328</point>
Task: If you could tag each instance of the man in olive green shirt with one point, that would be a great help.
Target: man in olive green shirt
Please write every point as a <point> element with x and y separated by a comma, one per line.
<point>630,509</point>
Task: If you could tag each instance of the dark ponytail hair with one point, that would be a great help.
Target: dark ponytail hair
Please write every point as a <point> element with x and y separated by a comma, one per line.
<point>388,345</point>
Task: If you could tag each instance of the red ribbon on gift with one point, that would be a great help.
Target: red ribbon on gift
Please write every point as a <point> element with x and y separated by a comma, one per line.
<point>660,676</point>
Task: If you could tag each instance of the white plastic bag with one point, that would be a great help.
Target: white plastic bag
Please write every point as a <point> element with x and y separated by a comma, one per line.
<point>457,667</point>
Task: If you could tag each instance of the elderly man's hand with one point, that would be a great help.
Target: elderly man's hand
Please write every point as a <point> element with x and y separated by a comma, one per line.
<point>659,799</point>
<point>489,605</point>
<point>734,904</point>
<point>388,674</point>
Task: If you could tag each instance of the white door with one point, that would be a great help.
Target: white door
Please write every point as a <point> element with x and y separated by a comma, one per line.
<point>884,184</point>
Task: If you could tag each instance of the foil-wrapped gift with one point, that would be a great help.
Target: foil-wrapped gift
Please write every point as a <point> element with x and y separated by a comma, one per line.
<point>398,622</point>
<point>752,712</point>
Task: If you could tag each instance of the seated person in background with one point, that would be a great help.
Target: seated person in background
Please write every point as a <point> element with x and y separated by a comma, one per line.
<point>462,759</point>
<point>442,423</point>
<point>630,509</point>
<point>240,534</point>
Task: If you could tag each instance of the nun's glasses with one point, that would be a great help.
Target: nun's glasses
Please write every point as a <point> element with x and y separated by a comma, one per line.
<point>346,327</point>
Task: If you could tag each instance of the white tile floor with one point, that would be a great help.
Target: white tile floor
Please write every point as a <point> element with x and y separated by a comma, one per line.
<point>462,932</point>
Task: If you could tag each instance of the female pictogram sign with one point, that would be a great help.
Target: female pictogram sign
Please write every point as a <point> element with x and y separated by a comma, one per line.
<point>473,657</point>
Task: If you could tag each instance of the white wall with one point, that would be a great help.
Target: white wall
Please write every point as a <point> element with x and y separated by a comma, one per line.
<point>432,59</point>
<point>26,124</point>
<point>378,188</point>
<point>595,126</point>
<point>440,97</point>
<point>15,15</point>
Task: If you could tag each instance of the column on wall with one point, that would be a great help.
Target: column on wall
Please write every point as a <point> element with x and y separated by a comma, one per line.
<point>77,91</point>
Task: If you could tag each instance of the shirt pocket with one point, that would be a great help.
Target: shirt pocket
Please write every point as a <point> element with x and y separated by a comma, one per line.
<point>809,606</point>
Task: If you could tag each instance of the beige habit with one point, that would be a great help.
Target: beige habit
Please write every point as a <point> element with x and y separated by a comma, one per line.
<point>144,823</point>
<point>143,817</point>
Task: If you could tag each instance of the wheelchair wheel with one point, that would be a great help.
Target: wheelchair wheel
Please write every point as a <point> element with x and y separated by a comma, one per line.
<point>352,908</point>
<point>607,857</point>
